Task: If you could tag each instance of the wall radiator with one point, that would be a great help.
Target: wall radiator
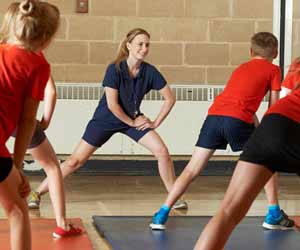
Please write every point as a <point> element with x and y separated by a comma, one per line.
<point>77,102</point>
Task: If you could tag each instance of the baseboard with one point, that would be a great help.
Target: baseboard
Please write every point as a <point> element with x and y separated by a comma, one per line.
<point>142,168</point>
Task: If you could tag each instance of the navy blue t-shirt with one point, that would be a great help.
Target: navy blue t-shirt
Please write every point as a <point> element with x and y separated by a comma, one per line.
<point>130,91</point>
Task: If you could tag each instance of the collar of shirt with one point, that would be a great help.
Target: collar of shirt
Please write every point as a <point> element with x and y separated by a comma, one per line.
<point>125,70</point>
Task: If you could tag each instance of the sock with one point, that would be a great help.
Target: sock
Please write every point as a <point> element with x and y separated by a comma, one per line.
<point>274,210</point>
<point>164,210</point>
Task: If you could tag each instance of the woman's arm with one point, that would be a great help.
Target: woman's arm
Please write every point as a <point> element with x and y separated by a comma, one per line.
<point>25,130</point>
<point>49,103</point>
<point>169,101</point>
<point>116,109</point>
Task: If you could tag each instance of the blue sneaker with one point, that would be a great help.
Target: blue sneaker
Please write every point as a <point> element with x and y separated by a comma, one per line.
<point>281,223</point>
<point>158,221</point>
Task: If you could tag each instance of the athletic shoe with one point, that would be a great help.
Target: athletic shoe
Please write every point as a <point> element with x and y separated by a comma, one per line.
<point>60,232</point>
<point>180,204</point>
<point>34,200</point>
<point>158,221</point>
<point>281,223</point>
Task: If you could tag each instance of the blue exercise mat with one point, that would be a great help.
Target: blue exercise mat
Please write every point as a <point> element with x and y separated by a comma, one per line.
<point>133,233</point>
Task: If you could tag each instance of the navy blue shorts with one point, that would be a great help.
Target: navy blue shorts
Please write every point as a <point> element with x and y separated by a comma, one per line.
<point>275,145</point>
<point>218,131</point>
<point>96,134</point>
<point>6,165</point>
<point>38,136</point>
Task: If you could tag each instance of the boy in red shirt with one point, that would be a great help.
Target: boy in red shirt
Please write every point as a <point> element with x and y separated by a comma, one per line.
<point>273,147</point>
<point>231,120</point>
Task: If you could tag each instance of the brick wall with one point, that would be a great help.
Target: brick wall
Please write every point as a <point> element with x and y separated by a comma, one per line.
<point>192,41</point>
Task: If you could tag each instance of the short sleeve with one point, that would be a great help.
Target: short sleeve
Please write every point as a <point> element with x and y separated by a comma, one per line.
<point>276,79</point>
<point>158,81</point>
<point>38,80</point>
<point>292,78</point>
<point>290,81</point>
<point>111,77</point>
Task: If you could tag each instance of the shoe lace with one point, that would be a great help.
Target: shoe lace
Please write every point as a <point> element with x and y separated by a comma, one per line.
<point>34,196</point>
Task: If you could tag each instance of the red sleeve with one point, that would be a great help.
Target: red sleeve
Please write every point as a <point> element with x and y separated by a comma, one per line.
<point>38,80</point>
<point>292,78</point>
<point>276,80</point>
<point>289,81</point>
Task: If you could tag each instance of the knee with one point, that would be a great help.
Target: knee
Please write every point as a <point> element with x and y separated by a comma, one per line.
<point>73,162</point>
<point>162,153</point>
<point>233,215</point>
<point>15,212</point>
<point>190,173</point>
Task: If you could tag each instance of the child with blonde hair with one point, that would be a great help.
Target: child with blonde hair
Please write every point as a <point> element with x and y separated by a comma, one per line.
<point>24,73</point>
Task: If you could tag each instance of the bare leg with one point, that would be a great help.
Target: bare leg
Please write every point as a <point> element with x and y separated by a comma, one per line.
<point>198,161</point>
<point>155,144</point>
<point>247,181</point>
<point>17,212</point>
<point>80,155</point>
<point>46,157</point>
<point>271,189</point>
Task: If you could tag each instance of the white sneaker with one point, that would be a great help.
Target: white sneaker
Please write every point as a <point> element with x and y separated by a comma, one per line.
<point>34,200</point>
<point>180,204</point>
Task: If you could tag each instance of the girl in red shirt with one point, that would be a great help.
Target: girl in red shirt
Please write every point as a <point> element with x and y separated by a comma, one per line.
<point>23,75</point>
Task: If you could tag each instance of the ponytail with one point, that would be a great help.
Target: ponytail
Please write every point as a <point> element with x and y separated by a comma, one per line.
<point>32,23</point>
<point>26,7</point>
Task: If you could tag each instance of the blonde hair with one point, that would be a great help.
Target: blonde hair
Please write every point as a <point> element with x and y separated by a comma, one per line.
<point>264,44</point>
<point>123,52</point>
<point>30,22</point>
<point>295,66</point>
<point>295,70</point>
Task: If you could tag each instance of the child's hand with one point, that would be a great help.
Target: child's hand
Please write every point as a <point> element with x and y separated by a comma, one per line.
<point>44,124</point>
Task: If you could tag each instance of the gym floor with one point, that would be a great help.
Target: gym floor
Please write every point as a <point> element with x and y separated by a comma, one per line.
<point>140,195</point>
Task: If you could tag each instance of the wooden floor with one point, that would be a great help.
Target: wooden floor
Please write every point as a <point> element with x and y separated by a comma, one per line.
<point>124,195</point>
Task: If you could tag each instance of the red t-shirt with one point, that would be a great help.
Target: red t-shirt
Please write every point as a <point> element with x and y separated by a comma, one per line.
<point>245,90</point>
<point>292,78</point>
<point>22,74</point>
<point>288,106</point>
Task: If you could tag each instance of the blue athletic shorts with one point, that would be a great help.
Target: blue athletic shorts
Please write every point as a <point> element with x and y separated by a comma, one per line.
<point>96,134</point>
<point>218,131</point>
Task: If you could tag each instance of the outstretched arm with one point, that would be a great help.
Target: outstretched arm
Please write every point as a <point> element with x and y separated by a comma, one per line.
<point>25,130</point>
<point>169,101</point>
<point>49,103</point>
<point>274,97</point>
